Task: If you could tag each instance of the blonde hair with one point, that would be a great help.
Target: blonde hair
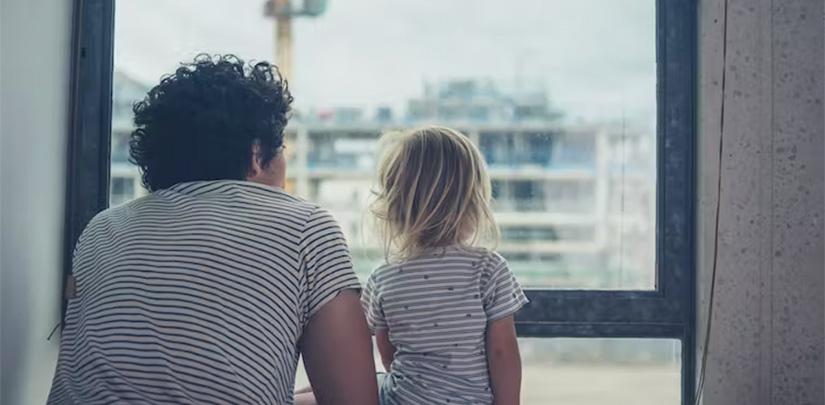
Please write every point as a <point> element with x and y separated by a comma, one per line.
<point>433,192</point>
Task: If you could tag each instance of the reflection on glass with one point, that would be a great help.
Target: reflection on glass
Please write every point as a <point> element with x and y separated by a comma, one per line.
<point>559,95</point>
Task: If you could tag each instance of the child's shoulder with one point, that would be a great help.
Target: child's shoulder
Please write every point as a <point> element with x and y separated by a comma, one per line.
<point>487,258</point>
<point>482,258</point>
<point>382,270</point>
<point>489,263</point>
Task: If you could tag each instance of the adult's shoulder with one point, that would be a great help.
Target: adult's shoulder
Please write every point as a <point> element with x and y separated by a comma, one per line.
<point>113,214</point>
<point>320,223</point>
<point>269,202</point>
<point>271,195</point>
<point>105,221</point>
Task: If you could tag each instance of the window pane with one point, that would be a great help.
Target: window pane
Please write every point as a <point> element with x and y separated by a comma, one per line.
<point>559,96</point>
<point>601,371</point>
<point>122,189</point>
<point>593,371</point>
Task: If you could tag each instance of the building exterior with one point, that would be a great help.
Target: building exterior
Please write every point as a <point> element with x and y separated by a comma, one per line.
<point>125,181</point>
<point>575,202</point>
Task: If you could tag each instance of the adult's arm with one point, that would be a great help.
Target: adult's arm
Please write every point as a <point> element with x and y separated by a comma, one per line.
<point>337,351</point>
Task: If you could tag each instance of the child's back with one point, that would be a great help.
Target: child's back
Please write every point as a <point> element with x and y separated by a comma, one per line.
<point>435,308</point>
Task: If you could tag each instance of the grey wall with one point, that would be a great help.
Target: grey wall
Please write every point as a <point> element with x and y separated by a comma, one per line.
<point>35,37</point>
<point>768,330</point>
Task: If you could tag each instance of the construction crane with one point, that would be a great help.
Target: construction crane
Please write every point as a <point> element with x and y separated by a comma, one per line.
<point>283,11</point>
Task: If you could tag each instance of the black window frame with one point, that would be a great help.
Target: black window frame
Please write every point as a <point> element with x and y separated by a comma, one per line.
<point>668,311</point>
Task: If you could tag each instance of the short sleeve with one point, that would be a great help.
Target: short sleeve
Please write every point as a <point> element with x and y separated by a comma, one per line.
<point>326,261</point>
<point>371,301</point>
<point>502,295</point>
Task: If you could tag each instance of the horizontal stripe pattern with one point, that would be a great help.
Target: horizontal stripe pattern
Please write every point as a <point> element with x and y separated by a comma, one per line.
<point>436,308</point>
<point>197,294</point>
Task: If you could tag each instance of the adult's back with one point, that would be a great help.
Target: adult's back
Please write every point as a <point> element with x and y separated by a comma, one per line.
<point>206,291</point>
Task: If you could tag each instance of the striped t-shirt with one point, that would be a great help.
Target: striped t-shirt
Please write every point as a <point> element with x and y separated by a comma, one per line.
<point>197,294</point>
<point>436,308</point>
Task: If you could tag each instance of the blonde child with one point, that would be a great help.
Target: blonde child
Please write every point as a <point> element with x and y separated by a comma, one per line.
<point>441,308</point>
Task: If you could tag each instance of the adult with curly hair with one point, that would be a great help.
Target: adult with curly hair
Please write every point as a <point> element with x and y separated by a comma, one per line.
<point>207,290</point>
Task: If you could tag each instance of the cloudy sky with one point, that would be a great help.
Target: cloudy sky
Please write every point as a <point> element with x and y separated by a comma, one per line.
<point>595,57</point>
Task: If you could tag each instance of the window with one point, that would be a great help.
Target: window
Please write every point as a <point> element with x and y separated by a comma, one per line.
<point>583,111</point>
<point>595,371</point>
<point>122,189</point>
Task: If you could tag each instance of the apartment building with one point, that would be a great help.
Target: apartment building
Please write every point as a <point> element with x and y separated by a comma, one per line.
<point>575,202</point>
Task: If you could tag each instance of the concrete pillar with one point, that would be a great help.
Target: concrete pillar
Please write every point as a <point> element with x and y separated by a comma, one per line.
<point>768,332</point>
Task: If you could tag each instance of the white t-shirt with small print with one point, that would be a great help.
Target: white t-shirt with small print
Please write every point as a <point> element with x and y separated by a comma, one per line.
<point>436,308</point>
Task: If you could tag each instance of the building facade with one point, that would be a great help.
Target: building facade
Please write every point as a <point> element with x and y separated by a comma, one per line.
<point>575,202</point>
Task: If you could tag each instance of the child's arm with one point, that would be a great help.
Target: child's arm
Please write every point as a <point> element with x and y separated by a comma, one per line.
<point>385,348</point>
<point>504,361</point>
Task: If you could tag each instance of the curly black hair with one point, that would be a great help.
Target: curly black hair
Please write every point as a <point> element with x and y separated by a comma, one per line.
<point>201,122</point>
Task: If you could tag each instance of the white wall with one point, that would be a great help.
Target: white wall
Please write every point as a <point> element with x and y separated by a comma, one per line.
<point>769,322</point>
<point>35,40</point>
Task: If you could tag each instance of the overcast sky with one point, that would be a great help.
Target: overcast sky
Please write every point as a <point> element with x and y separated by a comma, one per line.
<point>595,57</point>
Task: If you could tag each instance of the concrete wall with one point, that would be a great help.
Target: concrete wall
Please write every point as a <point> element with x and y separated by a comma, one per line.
<point>769,316</point>
<point>35,39</point>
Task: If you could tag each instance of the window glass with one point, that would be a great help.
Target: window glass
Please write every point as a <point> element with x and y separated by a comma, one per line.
<point>601,371</point>
<point>559,96</point>
<point>594,371</point>
<point>122,189</point>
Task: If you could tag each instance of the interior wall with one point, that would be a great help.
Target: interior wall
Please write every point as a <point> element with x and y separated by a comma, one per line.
<point>35,39</point>
<point>768,332</point>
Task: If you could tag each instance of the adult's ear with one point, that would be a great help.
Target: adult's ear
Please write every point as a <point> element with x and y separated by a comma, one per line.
<point>255,166</point>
